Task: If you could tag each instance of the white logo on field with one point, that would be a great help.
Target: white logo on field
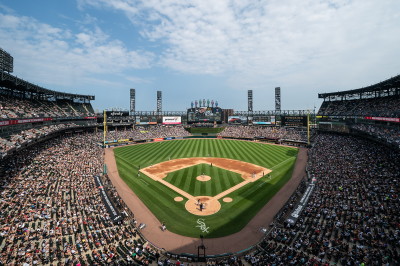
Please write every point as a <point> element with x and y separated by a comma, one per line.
<point>202,225</point>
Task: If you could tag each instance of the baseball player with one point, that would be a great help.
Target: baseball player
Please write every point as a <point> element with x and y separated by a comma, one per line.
<point>163,226</point>
<point>203,176</point>
<point>151,166</point>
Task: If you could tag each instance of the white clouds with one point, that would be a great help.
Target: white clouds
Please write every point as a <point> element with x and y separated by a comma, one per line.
<point>60,56</point>
<point>265,39</point>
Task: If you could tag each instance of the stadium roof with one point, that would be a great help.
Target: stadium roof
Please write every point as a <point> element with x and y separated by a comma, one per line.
<point>12,82</point>
<point>381,86</point>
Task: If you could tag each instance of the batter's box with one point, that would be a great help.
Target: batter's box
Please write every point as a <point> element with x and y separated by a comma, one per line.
<point>206,204</point>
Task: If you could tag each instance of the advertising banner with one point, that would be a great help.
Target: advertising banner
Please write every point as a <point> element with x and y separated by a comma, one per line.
<point>237,119</point>
<point>146,120</point>
<point>219,137</point>
<point>301,205</point>
<point>264,120</point>
<point>158,139</point>
<point>386,119</point>
<point>24,121</point>
<point>123,140</point>
<point>178,137</point>
<point>171,120</point>
<point>91,117</point>
<point>169,138</point>
<point>294,121</point>
<point>117,113</point>
<point>112,211</point>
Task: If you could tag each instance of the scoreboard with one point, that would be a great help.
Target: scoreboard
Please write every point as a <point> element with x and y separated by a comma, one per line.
<point>204,114</point>
<point>294,121</point>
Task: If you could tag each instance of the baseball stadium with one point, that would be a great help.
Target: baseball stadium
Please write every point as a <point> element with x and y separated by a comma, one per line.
<point>82,184</point>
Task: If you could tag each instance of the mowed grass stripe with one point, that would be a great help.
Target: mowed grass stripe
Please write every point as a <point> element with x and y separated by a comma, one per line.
<point>163,193</point>
<point>232,217</point>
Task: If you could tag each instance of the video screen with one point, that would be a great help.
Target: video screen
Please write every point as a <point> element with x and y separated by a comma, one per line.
<point>294,121</point>
<point>146,120</point>
<point>263,120</point>
<point>204,114</point>
<point>237,119</point>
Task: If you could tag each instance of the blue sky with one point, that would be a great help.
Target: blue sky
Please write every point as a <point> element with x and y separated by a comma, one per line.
<point>202,49</point>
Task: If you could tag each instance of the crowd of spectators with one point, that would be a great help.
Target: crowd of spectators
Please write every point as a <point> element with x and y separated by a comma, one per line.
<point>390,134</point>
<point>352,217</point>
<point>381,106</point>
<point>51,212</point>
<point>33,133</point>
<point>142,133</point>
<point>14,107</point>
<point>294,134</point>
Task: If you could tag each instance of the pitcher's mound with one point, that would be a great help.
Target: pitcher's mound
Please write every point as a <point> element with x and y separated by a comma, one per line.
<point>200,178</point>
<point>227,199</point>
<point>211,205</point>
<point>178,198</point>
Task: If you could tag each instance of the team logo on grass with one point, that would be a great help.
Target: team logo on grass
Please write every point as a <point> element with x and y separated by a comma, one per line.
<point>202,225</point>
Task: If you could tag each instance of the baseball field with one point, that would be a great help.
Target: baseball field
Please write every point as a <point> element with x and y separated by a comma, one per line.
<point>178,184</point>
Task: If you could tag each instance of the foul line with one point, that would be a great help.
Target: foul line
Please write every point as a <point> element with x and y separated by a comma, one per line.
<point>125,160</point>
<point>145,182</point>
<point>284,161</point>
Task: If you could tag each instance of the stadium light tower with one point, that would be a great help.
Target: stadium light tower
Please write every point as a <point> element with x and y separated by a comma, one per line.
<point>159,102</point>
<point>133,99</point>
<point>6,62</point>
<point>277,98</point>
<point>250,100</point>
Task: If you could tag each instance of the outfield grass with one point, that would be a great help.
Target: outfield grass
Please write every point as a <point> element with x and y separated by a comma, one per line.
<point>205,130</point>
<point>233,216</point>
<point>221,180</point>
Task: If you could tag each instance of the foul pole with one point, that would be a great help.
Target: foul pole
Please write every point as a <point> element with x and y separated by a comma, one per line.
<point>308,127</point>
<point>105,119</point>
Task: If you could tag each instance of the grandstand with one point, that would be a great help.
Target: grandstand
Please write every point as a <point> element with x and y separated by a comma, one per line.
<point>59,205</point>
<point>378,100</point>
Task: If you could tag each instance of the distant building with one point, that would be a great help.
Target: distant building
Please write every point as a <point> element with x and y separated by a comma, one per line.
<point>225,114</point>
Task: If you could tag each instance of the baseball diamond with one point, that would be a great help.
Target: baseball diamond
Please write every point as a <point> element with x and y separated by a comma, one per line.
<point>238,168</point>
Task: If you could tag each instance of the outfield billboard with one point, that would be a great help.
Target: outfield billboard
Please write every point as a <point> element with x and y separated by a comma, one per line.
<point>171,120</point>
<point>117,113</point>
<point>146,120</point>
<point>237,119</point>
<point>263,120</point>
<point>294,121</point>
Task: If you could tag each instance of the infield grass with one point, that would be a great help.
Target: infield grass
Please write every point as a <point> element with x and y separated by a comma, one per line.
<point>221,180</point>
<point>233,216</point>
